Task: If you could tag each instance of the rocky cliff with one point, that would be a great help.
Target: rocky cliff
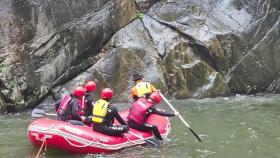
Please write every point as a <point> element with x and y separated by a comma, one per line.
<point>186,48</point>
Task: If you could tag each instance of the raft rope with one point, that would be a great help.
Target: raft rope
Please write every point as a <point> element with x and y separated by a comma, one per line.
<point>130,141</point>
<point>79,146</point>
<point>94,141</point>
<point>98,143</point>
<point>44,143</point>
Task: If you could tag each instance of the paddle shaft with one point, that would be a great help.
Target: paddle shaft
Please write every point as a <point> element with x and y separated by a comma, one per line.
<point>140,137</point>
<point>180,117</point>
<point>41,113</point>
<point>49,114</point>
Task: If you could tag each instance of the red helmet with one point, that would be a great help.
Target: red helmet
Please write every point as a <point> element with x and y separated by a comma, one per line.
<point>155,97</point>
<point>90,86</point>
<point>79,91</point>
<point>106,93</point>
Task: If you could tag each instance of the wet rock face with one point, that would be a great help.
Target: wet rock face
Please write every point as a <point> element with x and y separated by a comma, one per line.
<point>186,48</point>
<point>258,66</point>
<point>145,5</point>
<point>129,51</point>
<point>165,58</point>
<point>242,38</point>
<point>187,69</point>
<point>46,43</point>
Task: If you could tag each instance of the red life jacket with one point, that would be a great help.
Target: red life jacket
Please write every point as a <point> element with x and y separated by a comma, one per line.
<point>138,110</point>
<point>63,106</point>
<point>82,106</point>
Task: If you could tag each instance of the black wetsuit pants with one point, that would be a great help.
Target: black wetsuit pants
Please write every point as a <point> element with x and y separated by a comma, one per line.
<point>145,127</point>
<point>113,130</point>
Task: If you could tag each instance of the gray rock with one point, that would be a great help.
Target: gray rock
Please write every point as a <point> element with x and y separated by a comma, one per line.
<point>46,43</point>
<point>186,48</point>
<point>242,37</point>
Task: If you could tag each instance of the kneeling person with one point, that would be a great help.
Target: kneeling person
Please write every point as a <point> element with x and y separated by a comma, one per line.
<point>104,114</point>
<point>141,110</point>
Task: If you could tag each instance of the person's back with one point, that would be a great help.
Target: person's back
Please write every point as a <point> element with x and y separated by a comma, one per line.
<point>138,110</point>
<point>100,111</point>
<point>62,108</point>
<point>103,116</point>
<point>90,87</point>
<point>141,88</point>
<point>71,106</point>
<point>141,110</point>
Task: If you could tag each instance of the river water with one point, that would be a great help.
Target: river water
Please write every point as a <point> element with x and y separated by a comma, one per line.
<point>230,127</point>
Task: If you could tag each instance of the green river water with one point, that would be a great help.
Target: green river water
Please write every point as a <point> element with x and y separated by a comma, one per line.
<point>230,127</point>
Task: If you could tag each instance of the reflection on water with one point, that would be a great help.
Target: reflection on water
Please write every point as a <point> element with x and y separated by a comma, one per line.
<point>242,126</point>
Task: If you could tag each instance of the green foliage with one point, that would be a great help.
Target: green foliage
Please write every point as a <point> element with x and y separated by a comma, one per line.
<point>141,16</point>
<point>14,82</point>
<point>1,67</point>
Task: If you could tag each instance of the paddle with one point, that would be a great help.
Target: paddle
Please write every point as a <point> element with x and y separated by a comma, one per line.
<point>181,118</point>
<point>40,113</point>
<point>151,141</point>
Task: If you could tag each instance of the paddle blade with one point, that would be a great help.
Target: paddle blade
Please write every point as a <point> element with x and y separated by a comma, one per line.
<point>76,122</point>
<point>38,113</point>
<point>195,134</point>
<point>152,142</point>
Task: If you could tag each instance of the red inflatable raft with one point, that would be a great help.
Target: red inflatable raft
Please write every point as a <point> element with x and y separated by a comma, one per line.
<point>82,139</point>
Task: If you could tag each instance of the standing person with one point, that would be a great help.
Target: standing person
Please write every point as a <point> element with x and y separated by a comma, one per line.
<point>70,106</point>
<point>142,109</point>
<point>104,114</point>
<point>141,88</point>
